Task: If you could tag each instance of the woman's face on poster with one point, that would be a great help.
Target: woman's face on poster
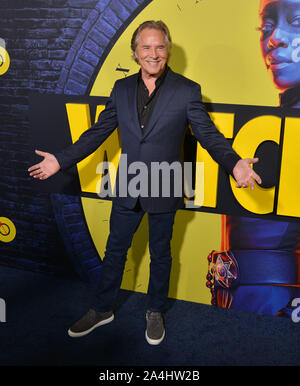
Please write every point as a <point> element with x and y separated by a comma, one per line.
<point>280,40</point>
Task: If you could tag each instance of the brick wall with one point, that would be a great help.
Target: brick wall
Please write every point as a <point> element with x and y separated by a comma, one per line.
<point>38,36</point>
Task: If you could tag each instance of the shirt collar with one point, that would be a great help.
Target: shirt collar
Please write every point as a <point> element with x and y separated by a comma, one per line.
<point>159,80</point>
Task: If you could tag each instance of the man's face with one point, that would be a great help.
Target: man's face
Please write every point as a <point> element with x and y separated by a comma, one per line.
<point>280,40</point>
<point>152,52</point>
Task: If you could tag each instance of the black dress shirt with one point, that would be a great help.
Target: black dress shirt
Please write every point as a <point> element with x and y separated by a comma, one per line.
<point>146,102</point>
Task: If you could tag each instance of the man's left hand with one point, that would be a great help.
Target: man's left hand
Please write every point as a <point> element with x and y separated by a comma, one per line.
<point>244,174</point>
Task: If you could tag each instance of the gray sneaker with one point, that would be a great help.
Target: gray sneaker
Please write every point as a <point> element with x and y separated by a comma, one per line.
<point>91,320</point>
<point>155,331</point>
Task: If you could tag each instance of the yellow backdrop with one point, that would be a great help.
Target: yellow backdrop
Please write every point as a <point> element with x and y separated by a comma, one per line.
<point>216,44</point>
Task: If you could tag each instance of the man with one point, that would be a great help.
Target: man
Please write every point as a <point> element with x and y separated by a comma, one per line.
<point>152,109</point>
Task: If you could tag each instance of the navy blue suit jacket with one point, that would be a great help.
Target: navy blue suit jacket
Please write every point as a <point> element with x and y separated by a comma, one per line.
<point>178,105</point>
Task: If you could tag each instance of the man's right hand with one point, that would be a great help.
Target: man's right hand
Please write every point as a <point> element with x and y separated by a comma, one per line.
<point>45,168</point>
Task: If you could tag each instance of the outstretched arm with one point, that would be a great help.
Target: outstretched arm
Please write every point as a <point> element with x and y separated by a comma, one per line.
<point>87,143</point>
<point>216,144</point>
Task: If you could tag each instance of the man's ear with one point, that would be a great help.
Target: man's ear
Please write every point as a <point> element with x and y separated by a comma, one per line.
<point>135,58</point>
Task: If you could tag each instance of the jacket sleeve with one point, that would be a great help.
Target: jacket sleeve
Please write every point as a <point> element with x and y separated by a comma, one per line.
<point>92,138</point>
<point>206,132</point>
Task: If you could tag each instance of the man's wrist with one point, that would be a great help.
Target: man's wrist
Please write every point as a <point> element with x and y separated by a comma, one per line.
<point>59,159</point>
<point>230,161</point>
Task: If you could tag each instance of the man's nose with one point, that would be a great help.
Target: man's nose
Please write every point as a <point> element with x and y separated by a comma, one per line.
<point>277,39</point>
<point>153,53</point>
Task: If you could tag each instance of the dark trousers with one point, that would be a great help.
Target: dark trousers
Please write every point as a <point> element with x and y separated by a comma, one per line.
<point>123,224</point>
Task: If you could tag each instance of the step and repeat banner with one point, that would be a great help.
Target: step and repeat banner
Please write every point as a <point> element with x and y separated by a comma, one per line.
<point>232,248</point>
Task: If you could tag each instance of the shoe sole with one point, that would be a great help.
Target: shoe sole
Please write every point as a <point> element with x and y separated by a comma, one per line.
<point>155,342</point>
<point>86,332</point>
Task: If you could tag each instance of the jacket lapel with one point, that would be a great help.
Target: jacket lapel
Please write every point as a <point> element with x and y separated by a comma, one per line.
<point>132,104</point>
<point>168,88</point>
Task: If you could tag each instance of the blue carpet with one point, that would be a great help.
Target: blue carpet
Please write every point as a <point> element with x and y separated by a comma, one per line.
<point>40,309</point>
